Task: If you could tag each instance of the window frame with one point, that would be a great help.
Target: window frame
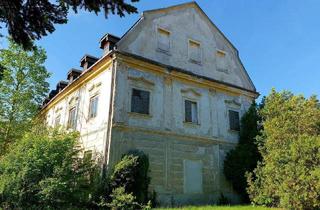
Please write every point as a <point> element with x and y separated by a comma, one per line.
<point>149,101</point>
<point>192,60</point>
<point>56,122</point>
<point>197,122</point>
<point>92,98</point>
<point>72,125</point>
<point>229,120</point>
<point>158,32</point>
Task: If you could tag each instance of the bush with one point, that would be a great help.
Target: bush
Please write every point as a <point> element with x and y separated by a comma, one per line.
<point>47,169</point>
<point>289,174</point>
<point>245,156</point>
<point>128,183</point>
<point>132,174</point>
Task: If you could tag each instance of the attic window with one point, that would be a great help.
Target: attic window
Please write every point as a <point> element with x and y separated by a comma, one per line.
<point>221,53</point>
<point>163,40</point>
<point>194,51</point>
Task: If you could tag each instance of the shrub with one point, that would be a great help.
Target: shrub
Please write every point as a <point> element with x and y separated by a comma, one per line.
<point>47,169</point>
<point>289,174</point>
<point>245,156</point>
<point>132,174</point>
<point>128,183</point>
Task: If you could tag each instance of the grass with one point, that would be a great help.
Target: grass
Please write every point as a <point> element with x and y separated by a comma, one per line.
<point>219,208</point>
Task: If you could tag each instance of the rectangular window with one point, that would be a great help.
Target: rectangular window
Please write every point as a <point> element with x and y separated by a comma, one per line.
<point>194,51</point>
<point>140,101</point>
<point>234,120</point>
<point>191,111</point>
<point>57,121</point>
<point>93,107</point>
<point>72,118</point>
<point>163,40</point>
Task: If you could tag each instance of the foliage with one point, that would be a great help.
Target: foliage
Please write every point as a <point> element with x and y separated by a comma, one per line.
<point>132,174</point>
<point>47,168</point>
<point>245,156</point>
<point>30,20</point>
<point>289,174</point>
<point>220,208</point>
<point>223,200</point>
<point>120,200</point>
<point>22,89</point>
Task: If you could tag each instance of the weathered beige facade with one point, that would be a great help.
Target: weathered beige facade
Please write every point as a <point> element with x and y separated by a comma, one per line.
<point>174,55</point>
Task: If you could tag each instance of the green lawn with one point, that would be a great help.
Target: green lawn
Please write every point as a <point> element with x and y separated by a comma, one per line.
<point>220,208</point>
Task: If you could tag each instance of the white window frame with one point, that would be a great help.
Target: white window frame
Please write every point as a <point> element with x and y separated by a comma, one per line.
<point>184,110</point>
<point>75,118</point>
<point>96,97</point>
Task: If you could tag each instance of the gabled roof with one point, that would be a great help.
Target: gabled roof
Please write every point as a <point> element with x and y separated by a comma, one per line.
<point>194,5</point>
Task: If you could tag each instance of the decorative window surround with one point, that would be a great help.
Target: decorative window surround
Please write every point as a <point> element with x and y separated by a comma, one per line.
<point>163,40</point>
<point>194,51</point>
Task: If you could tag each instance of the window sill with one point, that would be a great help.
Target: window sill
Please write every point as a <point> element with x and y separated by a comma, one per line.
<point>233,131</point>
<point>167,52</point>
<point>191,124</point>
<point>195,62</point>
<point>139,115</point>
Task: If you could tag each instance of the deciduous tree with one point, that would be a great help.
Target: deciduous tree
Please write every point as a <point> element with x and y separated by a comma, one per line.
<point>289,173</point>
<point>22,88</point>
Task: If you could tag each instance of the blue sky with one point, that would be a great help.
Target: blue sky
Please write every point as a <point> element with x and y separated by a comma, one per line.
<point>278,40</point>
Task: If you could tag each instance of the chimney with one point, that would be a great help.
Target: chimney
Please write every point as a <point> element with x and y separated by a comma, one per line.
<point>108,43</point>
<point>87,61</point>
<point>73,74</point>
<point>61,85</point>
<point>45,101</point>
<point>52,94</point>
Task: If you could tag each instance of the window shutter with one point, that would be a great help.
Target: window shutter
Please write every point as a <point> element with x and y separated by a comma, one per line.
<point>140,101</point>
<point>188,116</point>
<point>234,120</point>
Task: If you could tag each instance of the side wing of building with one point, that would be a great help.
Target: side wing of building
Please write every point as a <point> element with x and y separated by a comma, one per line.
<point>84,106</point>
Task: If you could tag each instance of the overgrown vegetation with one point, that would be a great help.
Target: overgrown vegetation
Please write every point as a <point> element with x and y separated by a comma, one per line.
<point>129,183</point>
<point>23,87</point>
<point>245,156</point>
<point>289,174</point>
<point>47,168</point>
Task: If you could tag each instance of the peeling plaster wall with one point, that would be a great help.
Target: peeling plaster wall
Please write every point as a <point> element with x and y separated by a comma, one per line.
<point>168,140</point>
<point>92,131</point>
<point>185,24</point>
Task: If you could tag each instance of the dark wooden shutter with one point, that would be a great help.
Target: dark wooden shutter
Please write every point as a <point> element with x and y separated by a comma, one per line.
<point>234,120</point>
<point>188,116</point>
<point>140,101</point>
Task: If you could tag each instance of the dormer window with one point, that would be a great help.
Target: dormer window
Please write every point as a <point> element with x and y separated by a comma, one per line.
<point>163,40</point>
<point>194,51</point>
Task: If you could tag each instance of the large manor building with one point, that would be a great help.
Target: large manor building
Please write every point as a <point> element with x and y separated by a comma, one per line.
<point>172,86</point>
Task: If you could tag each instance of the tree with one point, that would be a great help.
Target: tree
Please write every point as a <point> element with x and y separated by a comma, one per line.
<point>30,20</point>
<point>47,169</point>
<point>245,156</point>
<point>288,175</point>
<point>22,89</point>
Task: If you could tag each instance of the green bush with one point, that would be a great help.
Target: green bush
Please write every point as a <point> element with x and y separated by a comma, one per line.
<point>128,183</point>
<point>289,174</point>
<point>132,174</point>
<point>245,156</point>
<point>47,169</point>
